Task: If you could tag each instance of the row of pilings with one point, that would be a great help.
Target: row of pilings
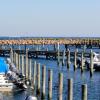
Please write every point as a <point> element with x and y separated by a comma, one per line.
<point>24,64</point>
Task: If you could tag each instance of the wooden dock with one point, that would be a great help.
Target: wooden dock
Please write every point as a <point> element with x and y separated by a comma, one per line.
<point>42,53</point>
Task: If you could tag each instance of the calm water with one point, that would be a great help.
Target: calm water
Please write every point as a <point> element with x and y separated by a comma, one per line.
<point>78,79</point>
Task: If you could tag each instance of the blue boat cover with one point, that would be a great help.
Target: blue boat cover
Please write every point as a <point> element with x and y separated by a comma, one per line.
<point>3,66</point>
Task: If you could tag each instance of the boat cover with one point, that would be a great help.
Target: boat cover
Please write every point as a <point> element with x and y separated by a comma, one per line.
<point>3,66</point>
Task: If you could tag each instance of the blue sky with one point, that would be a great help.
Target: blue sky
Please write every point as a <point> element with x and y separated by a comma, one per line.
<point>50,18</point>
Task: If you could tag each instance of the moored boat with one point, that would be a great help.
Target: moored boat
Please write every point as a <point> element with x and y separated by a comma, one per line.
<point>96,61</point>
<point>9,80</point>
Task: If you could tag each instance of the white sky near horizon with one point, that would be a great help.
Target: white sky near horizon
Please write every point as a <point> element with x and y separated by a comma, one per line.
<point>63,18</point>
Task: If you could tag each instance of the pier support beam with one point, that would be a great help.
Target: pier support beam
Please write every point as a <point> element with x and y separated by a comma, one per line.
<point>19,62</point>
<point>34,75</point>
<point>75,59</point>
<point>38,78</point>
<point>43,81</point>
<point>70,89</point>
<point>30,70</point>
<point>27,63</point>
<point>63,58</point>
<point>84,92</point>
<point>60,86</point>
<point>23,65</point>
<point>91,63</point>
<point>82,63</point>
<point>68,58</point>
<point>50,74</point>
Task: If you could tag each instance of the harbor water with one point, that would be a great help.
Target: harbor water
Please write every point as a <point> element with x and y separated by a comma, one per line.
<point>93,84</point>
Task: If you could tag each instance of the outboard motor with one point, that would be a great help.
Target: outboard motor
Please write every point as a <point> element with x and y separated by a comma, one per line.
<point>8,60</point>
<point>30,98</point>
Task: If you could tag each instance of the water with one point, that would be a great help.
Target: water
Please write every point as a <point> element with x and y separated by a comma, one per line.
<point>78,79</point>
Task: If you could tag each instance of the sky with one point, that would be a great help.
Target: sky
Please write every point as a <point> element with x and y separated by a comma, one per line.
<point>56,18</point>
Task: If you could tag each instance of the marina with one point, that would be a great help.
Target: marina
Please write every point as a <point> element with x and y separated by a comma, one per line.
<point>49,49</point>
<point>48,77</point>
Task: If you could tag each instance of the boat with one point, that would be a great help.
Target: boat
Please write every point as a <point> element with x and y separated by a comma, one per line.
<point>96,61</point>
<point>30,98</point>
<point>9,80</point>
<point>5,84</point>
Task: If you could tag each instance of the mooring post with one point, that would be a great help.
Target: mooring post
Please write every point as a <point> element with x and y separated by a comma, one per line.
<point>84,48</point>
<point>43,81</point>
<point>63,58</point>
<point>58,57</point>
<point>60,86</point>
<point>82,63</point>
<point>68,58</point>
<point>91,63</point>
<point>37,48</point>
<point>30,68</point>
<point>43,43</point>
<point>84,92</point>
<point>50,74</point>
<point>70,89</point>
<point>23,64</point>
<point>14,57</point>
<point>54,47</point>
<point>34,74</point>
<point>75,59</point>
<point>18,61</point>
<point>26,63</point>
<point>38,78</point>
<point>11,55</point>
<point>58,46</point>
<point>58,54</point>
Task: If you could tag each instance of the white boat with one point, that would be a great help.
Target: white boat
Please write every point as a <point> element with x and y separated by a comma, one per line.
<point>96,61</point>
<point>9,81</point>
<point>5,84</point>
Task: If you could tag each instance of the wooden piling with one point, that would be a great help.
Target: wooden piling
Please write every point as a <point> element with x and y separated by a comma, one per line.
<point>91,63</point>
<point>58,46</point>
<point>82,63</point>
<point>70,89</point>
<point>38,78</point>
<point>84,92</point>
<point>15,58</point>
<point>23,64</point>
<point>84,48</point>
<point>68,58</point>
<point>11,54</point>
<point>50,74</point>
<point>18,61</point>
<point>54,47</point>
<point>63,58</point>
<point>26,63</point>
<point>43,81</point>
<point>60,86</point>
<point>75,59</point>
<point>34,74</point>
<point>30,68</point>
<point>58,57</point>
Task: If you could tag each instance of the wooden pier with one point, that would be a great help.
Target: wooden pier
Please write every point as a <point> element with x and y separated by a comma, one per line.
<point>42,53</point>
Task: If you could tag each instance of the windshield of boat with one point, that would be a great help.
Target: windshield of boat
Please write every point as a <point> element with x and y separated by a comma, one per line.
<point>98,56</point>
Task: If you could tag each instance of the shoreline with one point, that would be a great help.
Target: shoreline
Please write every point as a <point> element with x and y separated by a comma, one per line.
<point>44,41</point>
